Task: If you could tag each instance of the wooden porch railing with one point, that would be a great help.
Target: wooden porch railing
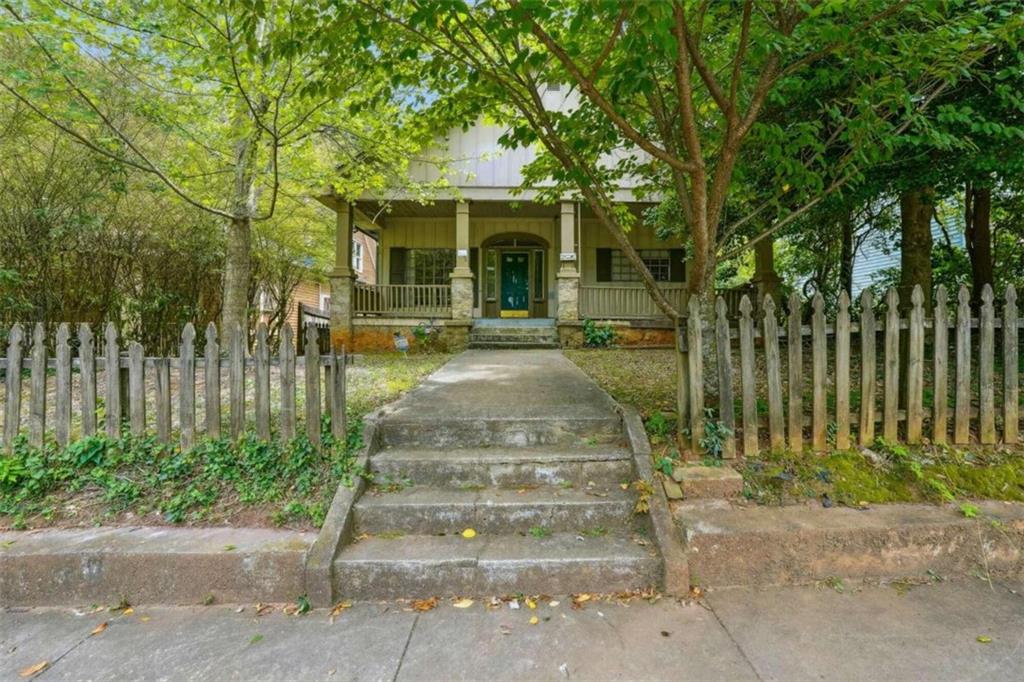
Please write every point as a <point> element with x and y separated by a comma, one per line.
<point>403,300</point>
<point>633,302</point>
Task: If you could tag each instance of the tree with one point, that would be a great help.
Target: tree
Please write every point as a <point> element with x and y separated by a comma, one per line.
<point>220,103</point>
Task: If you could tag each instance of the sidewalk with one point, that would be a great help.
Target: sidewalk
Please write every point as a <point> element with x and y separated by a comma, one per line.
<point>922,632</point>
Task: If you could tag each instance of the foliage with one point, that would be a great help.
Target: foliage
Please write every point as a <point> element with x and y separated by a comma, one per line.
<point>715,435</point>
<point>597,335</point>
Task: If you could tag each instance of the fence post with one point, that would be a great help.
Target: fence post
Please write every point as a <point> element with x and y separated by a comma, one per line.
<point>915,366</point>
<point>868,369</point>
<point>726,408</point>
<point>338,395</point>
<point>747,385</point>
<point>87,368</point>
<point>162,367</point>
<point>62,402</point>
<point>940,350</point>
<point>112,374</point>
<point>682,375</point>
<point>1011,388</point>
<point>843,372</point>
<point>890,400</point>
<point>287,352</point>
<point>795,366</point>
<point>136,389</point>
<point>37,397</point>
<point>187,387</point>
<point>262,383</point>
<point>819,372</point>
<point>236,381</point>
<point>986,370</point>
<point>776,428</point>
<point>695,341</point>
<point>211,390</point>
<point>312,385</point>
<point>12,404</point>
<point>962,418</point>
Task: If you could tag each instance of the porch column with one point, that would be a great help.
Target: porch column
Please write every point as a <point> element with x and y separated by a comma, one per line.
<point>765,277</point>
<point>568,272</point>
<point>462,275</point>
<point>342,277</point>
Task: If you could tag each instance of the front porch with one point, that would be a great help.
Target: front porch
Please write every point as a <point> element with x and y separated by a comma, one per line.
<point>451,263</point>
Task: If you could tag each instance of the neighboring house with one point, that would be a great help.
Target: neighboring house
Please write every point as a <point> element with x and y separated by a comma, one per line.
<point>878,253</point>
<point>484,252</point>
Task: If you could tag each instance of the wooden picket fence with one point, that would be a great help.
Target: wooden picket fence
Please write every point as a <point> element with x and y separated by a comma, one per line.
<point>124,407</point>
<point>830,343</point>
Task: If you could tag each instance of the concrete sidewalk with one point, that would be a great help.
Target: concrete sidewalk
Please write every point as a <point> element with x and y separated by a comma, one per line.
<point>923,632</point>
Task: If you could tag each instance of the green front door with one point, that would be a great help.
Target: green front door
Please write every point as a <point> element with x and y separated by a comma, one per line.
<point>515,284</point>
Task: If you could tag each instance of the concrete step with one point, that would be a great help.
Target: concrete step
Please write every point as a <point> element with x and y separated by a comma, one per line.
<point>511,338</point>
<point>513,345</point>
<point>456,431</point>
<point>603,465</point>
<point>428,510</point>
<point>513,331</point>
<point>423,565</point>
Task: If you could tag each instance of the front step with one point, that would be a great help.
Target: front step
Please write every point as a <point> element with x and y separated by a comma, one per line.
<point>457,432</point>
<point>426,565</point>
<point>427,510</point>
<point>511,337</point>
<point>602,465</point>
<point>513,345</point>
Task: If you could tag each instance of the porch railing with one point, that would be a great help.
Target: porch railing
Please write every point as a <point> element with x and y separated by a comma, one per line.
<point>403,300</point>
<point>628,303</point>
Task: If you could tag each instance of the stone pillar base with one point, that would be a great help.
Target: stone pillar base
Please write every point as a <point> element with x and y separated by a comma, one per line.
<point>462,294</point>
<point>342,305</point>
<point>568,295</point>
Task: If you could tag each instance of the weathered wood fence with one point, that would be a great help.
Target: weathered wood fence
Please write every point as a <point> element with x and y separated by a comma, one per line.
<point>915,377</point>
<point>128,373</point>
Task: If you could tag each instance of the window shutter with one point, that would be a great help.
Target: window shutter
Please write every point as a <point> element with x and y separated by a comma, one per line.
<point>677,265</point>
<point>604,265</point>
<point>474,267</point>
<point>397,267</point>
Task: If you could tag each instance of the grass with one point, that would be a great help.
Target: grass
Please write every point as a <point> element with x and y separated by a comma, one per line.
<point>219,482</point>
<point>646,379</point>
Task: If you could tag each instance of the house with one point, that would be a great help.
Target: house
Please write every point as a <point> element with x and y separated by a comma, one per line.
<point>486,254</point>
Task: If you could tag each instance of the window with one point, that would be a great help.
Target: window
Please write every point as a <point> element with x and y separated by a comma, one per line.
<point>657,261</point>
<point>357,256</point>
<point>538,275</point>
<point>325,301</point>
<point>491,275</point>
<point>429,266</point>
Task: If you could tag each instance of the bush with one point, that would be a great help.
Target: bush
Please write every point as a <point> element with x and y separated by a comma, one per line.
<point>597,336</point>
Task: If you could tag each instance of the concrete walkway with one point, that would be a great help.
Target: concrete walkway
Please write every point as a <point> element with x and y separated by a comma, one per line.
<point>802,633</point>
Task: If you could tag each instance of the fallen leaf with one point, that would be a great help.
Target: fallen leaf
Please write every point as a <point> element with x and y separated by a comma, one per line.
<point>464,603</point>
<point>424,604</point>
<point>229,548</point>
<point>530,603</point>
<point>505,630</point>
<point>99,628</point>
<point>339,607</point>
<point>534,620</point>
<point>256,639</point>
<point>553,604</point>
<point>262,608</point>
<point>34,669</point>
<point>469,533</point>
<point>624,486</point>
<point>128,611</point>
<point>580,598</point>
<point>666,633</point>
<point>144,619</point>
<point>984,640</point>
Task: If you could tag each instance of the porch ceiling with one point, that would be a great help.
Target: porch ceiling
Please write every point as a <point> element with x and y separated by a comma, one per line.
<point>445,208</point>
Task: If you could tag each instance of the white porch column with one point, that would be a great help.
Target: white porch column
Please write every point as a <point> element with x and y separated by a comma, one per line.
<point>462,275</point>
<point>342,277</point>
<point>568,272</point>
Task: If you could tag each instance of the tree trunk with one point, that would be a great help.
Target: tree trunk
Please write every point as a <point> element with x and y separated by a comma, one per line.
<point>237,272</point>
<point>846,255</point>
<point>916,207</point>
<point>978,235</point>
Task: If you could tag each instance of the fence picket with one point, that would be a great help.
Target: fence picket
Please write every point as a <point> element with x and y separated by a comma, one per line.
<point>915,366</point>
<point>694,338</point>
<point>62,397</point>
<point>338,424</point>
<point>162,376</point>
<point>962,417</point>
<point>794,346</point>
<point>986,369</point>
<point>236,381</point>
<point>187,387</point>
<point>1011,380</point>
<point>136,389</point>
<point>12,403</point>
<point>87,379</point>
<point>747,385</point>
<point>890,399</point>
<point>262,382</point>
<point>112,375</point>
<point>287,352</point>
<point>819,369</point>
<point>312,385</point>
<point>868,369</point>
<point>843,373</point>
<point>940,360</point>
<point>776,428</point>
<point>726,408</point>
<point>211,376</point>
<point>37,395</point>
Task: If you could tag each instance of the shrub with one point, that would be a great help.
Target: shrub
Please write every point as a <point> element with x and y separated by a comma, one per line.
<point>597,336</point>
